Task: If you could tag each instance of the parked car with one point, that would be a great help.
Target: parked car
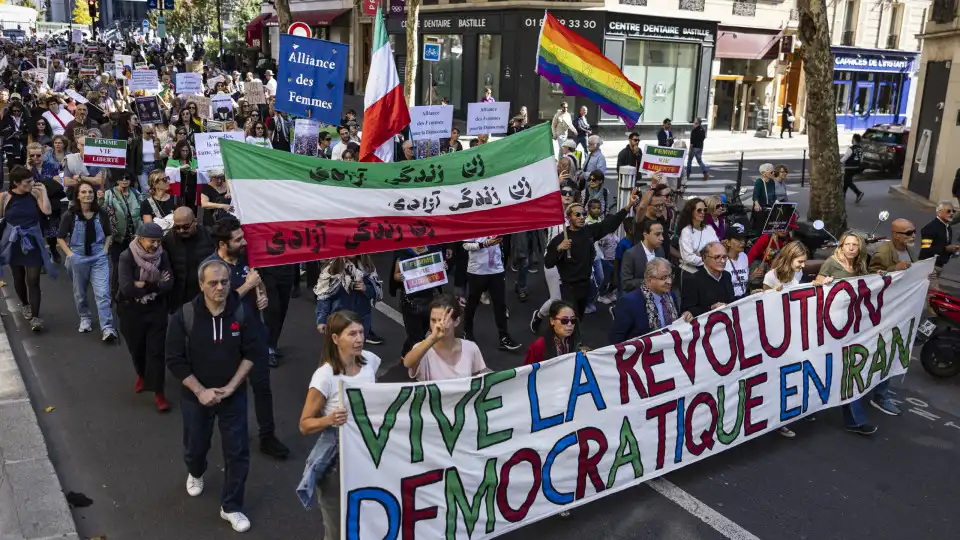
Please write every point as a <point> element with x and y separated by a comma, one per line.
<point>884,147</point>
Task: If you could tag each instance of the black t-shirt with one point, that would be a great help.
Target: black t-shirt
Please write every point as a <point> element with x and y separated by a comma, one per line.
<point>215,197</point>
<point>165,207</point>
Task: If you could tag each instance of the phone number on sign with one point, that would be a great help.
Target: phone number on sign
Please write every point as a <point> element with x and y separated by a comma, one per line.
<point>571,23</point>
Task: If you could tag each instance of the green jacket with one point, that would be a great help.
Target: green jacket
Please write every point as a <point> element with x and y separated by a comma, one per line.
<point>124,212</point>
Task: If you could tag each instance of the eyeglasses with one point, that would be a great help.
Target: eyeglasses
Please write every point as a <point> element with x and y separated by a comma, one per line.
<point>577,214</point>
<point>950,212</point>
<point>911,232</point>
<point>660,206</point>
<point>165,179</point>
<point>700,210</point>
<point>566,320</point>
<point>181,132</point>
<point>721,207</point>
<point>665,277</point>
<point>717,257</point>
<point>566,192</point>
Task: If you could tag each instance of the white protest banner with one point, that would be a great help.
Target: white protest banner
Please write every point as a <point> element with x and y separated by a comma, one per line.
<point>144,79</point>
<point>60,81</point>
<point>140,65</point>
<point>75,95</point>
<point>490,118</point>
<point>255,93</point>
<point>3,63</point>
<point>476,458</point>
<point>109,68</point>
<point>208,148</point>
<point>203,105</point>
<point>111,153</point>
<point>663,159</point>
<point>212,83</point>
<point>221,105</point>
<point>189,83</point>
<point>423,272</point>
<point>77,35</point>
<point>431,122</point>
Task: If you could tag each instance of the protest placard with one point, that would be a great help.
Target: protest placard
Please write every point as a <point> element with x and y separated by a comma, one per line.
<point>431,122</point>
<point>88,70</point>
<point>490,118</point>
<point>311,76</point>
<point>195,67</point>
<point>255,93</point>
<point>423,272</point>
<point>110,153</point>
<point>208,148</point>
<point>663,159</point>
<point>306,134</point>
<point>60,81</point>
<point>43,63</point>
<point>148,110</point>
<point>479,457</point>
<point>144,79</point>
<point>203,105</point>
<point>77,35</point>
<point>221,105</point>
<point>778,220</point>
<point>75,95</point>
<point>189,83</point>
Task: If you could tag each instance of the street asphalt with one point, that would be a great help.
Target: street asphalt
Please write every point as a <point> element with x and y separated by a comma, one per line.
<point>111,445</point>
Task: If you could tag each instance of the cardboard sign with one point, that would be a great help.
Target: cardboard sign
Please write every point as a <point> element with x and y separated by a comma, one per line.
<point>306,134</point>
<point>195,67</point>
<point>148,110</point>
<point>75,95</point>
<point>110,153</point>
<point>778,220</point>
<point>490,118</point>
<point>189,83</point>
<point>60,81</point>
<point>144,79</point>
<point>208,148</point>
<point>431,122</point>
<point>255,93</point>
<point>423,272</point>
<point>663,159</point>
<point>221,107</point>
<point>203,105</point>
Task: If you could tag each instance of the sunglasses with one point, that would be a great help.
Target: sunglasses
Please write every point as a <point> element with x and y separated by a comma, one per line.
<point>911,232</point>
<point>951,212</point>
<point>700,210</point>
<point>634,140</point>
<point>566,320</point>
<point>183,227</point>
<point>577,214</point>
<point>36,155</point>
<point>566,192</point>
<point>181,133</point>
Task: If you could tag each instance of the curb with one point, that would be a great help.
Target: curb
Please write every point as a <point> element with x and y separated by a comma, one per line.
<point>32,503</point>
<point>898,191</point>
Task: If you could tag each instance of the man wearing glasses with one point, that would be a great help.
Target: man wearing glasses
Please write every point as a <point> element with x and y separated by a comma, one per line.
<point>631,155</point>
<point>710,287</point>
<point>651,306</point>
<point>936,240</point>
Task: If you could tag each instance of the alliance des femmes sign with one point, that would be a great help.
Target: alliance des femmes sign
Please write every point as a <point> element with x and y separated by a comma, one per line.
<point>310,82</point>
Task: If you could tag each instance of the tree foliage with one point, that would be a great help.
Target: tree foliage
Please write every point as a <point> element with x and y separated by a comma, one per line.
<point>81,14</point>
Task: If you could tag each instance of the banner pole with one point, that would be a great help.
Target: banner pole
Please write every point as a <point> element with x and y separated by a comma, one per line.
<point>343,498</point>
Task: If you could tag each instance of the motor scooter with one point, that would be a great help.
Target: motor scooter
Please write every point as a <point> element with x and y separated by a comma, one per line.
<point>939,336</point>
<point>821,244</point>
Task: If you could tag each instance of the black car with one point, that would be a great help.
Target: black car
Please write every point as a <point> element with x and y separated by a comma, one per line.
<point>884,147</point>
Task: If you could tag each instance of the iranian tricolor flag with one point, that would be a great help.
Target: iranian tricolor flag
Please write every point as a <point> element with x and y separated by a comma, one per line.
<point>299,208</point>
<point>385,111</point>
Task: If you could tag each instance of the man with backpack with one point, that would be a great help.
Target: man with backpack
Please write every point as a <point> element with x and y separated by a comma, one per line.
<point>211,348</point>
<point>851,161</point>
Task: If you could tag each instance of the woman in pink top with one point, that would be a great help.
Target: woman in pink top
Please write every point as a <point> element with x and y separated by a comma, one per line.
<point>442,355</point>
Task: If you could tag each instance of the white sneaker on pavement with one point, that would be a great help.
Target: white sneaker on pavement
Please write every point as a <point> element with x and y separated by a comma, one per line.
<point>194,486</point>
<point>237,520</point>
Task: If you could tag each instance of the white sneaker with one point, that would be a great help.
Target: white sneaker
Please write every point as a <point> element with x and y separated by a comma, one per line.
<point>237,520</point>
<point>485,299</point>
<point>194,486</point>
<point>86,325</point>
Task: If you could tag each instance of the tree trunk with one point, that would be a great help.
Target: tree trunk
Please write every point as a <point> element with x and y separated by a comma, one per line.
<point>413,52</point>
<point>284,18</point>
<point>826,175</point>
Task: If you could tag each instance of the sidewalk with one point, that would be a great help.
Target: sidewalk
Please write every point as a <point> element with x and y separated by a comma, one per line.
<point>32,503</point>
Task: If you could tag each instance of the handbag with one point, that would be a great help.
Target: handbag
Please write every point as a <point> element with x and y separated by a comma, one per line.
<point>165,222</point>
<point>791,119</point>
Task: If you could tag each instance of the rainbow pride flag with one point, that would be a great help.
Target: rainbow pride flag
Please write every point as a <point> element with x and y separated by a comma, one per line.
<point>566,58</point>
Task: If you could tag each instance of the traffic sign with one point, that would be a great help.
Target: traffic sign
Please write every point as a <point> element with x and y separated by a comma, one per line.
<point>168,5</point>
<point>431,52</point>
<point>300,29</point>
<point>146,25</point>
<point>161,27</point>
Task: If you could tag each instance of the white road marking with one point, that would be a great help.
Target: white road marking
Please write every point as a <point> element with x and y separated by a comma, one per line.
<point>681,498</point>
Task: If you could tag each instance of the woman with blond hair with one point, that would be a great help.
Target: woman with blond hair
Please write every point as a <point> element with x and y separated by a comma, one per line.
<point>787,267</point>
<point>716,215</point>
<point>158,205</point>
<point>343,359</point>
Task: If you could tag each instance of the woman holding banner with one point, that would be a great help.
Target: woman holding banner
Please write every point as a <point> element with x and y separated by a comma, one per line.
<point>342,359</point>
<point>849,260</point>
<point>560,337</point>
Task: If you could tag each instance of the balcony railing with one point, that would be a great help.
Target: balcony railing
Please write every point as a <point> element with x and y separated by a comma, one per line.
<point>944,11</point>
<point>745,8</point>
<point>848,38</point>
<point>692,5</point>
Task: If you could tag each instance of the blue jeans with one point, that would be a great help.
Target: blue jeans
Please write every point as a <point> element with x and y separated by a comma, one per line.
<point>582,141</point>
<point>881,393</point>
<point>93,271</point>
<point>147,169</point>
<point>696,153</point>
<point>853,414</point>
<point>231,415</point>
<point>607,276</point>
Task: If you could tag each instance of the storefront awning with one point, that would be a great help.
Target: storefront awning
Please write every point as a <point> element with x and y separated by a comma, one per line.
<point>312,18</point>
<point>255,28</point>
<point>746,45</point>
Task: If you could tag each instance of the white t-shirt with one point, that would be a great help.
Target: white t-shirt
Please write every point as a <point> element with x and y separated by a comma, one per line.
<point>271,87</point>
<point>434,368</point>
<point>770,280</point>
<point>739,270</point>
<point>328,384</point>
<point>149,151</point>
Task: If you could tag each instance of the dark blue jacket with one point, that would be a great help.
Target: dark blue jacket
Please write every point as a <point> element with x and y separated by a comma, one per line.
<point>630,316</point>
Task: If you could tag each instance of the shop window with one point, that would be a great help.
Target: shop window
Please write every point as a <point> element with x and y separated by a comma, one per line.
<point>841,95</point>
<point>488,66</point>
<point>861,100</point>
<point>666,73</point>
<point>442,79</point>
<point>551,96</point>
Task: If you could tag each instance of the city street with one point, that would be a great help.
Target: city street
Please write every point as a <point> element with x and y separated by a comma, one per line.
<point>111,445</point>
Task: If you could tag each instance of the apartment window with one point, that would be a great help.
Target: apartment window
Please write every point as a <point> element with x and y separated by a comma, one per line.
<point>445,74</point>
<point>851,14</point>
<point>896,22</point>
<point>488,65</point>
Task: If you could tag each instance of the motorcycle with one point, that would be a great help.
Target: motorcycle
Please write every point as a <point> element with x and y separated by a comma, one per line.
<point>821,244</point>
<point>939,337</point>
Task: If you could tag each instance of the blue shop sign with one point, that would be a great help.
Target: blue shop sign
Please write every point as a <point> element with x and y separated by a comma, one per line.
<point>872,61</point>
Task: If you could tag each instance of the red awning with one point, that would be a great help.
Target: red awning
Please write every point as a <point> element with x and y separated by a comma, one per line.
<point>746,45</point>
<point>255,28</point>
<point>312,18</point>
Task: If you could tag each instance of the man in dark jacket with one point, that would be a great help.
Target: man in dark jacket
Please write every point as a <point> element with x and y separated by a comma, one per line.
<point>697,135</point>
<point>936,240</point>
<point>631,154</point>
<point>188,246</point>
<point>582,126</point>
<point>573,252</point>
<point>710,287</point>
<point>648,307</point>
<point>211,348</point>
<point>665,135</point>
<point>650,246</point>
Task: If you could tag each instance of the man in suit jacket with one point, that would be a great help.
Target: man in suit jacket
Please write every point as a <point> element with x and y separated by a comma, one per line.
<point>895,254</point>
<point>635,259</point>
<point>649,307</point>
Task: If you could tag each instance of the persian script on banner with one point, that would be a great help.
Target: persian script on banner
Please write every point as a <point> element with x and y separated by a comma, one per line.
<point>476,458</point>
<point>299,208</point>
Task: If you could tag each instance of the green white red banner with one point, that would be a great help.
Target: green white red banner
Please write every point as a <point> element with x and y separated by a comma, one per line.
<point>662,159</point>
<point>299,208</point>
<point>423,272</point>
<point>110,153</point>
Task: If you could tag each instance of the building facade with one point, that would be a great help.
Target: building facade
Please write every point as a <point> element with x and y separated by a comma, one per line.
<point>932,162</point>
